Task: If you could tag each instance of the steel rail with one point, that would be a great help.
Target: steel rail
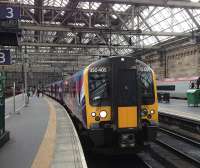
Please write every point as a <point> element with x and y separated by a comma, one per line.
<point>184,123</point>
<point>180,136</point>
<point>145,164</point>
<point>192,160</point>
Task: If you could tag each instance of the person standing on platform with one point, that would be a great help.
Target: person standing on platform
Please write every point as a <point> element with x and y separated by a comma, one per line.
<point>28,95</point>
<point>198,83</point>
<point>38,93</point>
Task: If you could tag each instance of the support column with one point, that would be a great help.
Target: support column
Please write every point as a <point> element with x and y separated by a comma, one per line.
<point>4,135</point>
<point>163,61</point>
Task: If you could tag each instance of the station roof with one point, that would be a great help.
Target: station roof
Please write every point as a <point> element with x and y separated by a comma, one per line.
<point>80,31</point>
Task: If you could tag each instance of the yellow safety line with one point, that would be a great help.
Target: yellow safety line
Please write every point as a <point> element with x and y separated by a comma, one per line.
<point>45,153</point>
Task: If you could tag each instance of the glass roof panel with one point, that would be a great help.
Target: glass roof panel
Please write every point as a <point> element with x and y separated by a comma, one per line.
<point>56,3</point>
<point>120,7</point>
<point>165,20</point>
<point>196,14</point>
<point>118,39</point>
<point>86,5</point>
<point>29,2</point>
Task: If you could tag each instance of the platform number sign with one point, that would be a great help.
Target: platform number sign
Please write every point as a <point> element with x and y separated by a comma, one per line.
<point>5,58</point>
<point>9,12</point>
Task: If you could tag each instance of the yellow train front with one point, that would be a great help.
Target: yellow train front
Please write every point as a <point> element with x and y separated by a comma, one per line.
<point>118,106</point>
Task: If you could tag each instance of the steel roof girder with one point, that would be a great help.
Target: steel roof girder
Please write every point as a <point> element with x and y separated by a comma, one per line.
<point>163,3</point>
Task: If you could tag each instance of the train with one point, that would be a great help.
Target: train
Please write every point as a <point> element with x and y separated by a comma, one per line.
<point>9,91</point>
<point>178,87</point>
<point>113,102</point>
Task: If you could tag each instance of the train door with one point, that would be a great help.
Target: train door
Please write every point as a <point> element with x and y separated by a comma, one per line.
<point>124,100</point>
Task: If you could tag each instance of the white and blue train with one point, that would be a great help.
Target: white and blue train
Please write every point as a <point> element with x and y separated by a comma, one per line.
<point>177,87</point>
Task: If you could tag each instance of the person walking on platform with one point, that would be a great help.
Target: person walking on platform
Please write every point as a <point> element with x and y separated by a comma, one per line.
<point>42,92</point>
<point>198,83</point>
<point>28,95</point>
<point>38,93</point>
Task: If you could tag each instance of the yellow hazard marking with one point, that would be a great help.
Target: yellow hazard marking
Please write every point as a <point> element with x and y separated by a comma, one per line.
<point>45,153</point>
<point>127,117</point>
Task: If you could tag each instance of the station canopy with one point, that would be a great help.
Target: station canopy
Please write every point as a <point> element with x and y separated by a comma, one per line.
<point>88,30</point>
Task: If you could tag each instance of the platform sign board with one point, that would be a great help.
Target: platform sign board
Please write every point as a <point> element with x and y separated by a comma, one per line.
<point>2,103</point>
<point>5,58</point>
<point>9,12</point>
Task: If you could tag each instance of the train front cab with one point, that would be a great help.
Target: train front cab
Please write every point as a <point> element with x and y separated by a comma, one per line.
<point>121,103</point>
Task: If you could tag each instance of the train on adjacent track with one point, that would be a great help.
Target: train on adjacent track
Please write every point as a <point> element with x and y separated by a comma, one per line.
<point>113,102</point>
<point>178,87</point>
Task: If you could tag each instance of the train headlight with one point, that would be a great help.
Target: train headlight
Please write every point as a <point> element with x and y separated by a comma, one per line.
<point>152,111</point>
<point>103,114</point>
<point>93,114</point>
<point>144,112</point>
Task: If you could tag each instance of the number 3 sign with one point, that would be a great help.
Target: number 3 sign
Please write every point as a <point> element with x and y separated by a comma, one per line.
<point>5,57</point>
<point>9,12</point>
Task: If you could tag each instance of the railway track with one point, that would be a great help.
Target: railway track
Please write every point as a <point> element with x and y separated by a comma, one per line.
<point>120,161</point>
<point>183,147</point>
<point>168,157</point>
<point>149,161</point>
<point>187,139</point>
<point>181,122</point>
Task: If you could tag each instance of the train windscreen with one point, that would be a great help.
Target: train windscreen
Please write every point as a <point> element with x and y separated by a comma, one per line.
<point>99,86</point>
<point>146,83</point>
<point>146,87</point>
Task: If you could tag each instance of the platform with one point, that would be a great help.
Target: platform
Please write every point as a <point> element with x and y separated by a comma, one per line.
<point>9,104</point>
<point>180,108</point>
<point>42,136</point>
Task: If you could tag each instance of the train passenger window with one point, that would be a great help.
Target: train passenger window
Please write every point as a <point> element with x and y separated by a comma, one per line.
<point>99,86</point>
<point>166,87</point>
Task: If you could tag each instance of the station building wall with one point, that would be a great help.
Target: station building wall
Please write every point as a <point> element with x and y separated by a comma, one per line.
<point>184,61</point>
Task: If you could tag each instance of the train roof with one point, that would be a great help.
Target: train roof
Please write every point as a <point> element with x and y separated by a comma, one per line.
<point>178,79</point>
<point>119,59</point>
<point>56,82</point>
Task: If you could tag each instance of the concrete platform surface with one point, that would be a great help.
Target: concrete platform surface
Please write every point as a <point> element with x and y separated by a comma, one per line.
<point>68,152</point>
<point>42,136</point>
<point>9,104</point>
<point>180,108</point>
<point>26,133</point>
